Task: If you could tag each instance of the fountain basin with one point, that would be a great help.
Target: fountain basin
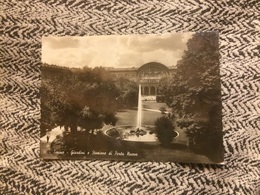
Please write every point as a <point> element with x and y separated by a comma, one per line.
<point>132,134</point>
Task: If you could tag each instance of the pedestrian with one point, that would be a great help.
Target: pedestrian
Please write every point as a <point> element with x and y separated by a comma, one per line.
<point>48,136</point>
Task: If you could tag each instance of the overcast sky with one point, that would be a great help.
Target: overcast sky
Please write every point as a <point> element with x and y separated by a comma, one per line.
<point>114,50</point>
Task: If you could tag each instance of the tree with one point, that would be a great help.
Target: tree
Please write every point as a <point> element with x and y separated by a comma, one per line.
<point>90,120</point>
<point>196,87</point>
<point>164,130</point>
<point>99,92</point>
<point>66,93</point>
<point>128,96</point>
<point>194,94</point>
<point>163,85</point>
<point>58,108</point>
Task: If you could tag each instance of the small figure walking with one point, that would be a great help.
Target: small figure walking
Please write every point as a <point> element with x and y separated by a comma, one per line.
<point>48,136</point>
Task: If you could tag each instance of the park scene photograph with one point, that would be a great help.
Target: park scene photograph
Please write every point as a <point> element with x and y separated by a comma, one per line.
<point>133,97</point>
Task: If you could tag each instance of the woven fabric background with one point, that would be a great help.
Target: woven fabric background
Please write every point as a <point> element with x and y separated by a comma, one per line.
<point>24,22</point>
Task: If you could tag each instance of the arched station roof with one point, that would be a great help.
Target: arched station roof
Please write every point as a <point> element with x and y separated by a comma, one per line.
<point>151,65</point>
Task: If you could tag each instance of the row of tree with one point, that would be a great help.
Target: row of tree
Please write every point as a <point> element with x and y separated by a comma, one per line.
<point>85,98</point>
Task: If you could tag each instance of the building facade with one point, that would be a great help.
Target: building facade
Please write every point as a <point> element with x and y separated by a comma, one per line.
<point>148,75</point>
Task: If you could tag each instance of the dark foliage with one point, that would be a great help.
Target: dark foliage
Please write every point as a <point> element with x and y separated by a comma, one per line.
<point>164,130</point>
<point>196,87</point>
<point>194,94</point>
<point>128,92</point>
<point>77,98</point>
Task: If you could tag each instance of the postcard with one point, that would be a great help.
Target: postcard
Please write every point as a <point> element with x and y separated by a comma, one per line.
<point>154,97</point>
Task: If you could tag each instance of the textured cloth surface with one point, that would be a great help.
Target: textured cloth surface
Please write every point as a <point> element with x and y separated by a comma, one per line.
<point>23,23</point>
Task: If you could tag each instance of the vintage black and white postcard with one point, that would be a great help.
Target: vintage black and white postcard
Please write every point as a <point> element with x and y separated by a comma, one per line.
<point>132,98</point>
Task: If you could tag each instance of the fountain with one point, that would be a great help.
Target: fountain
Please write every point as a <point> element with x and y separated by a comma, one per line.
<point>139,110</point>
<point>138,133</point>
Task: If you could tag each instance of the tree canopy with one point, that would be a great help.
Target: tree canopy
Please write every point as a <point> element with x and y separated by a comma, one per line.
<point>128,92</point>
<point>195,89</point>
<point>194,94</point>
<point>77,97</point>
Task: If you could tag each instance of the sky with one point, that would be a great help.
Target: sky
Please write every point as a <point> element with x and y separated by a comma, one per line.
<point>114,50</point>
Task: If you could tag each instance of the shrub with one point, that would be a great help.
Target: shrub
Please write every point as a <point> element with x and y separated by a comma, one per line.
<point>164,130</point>
<point>113,133</point>
<point>163,110</point>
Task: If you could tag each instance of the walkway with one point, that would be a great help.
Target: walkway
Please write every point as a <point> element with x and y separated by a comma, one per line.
<point>45,147</point>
